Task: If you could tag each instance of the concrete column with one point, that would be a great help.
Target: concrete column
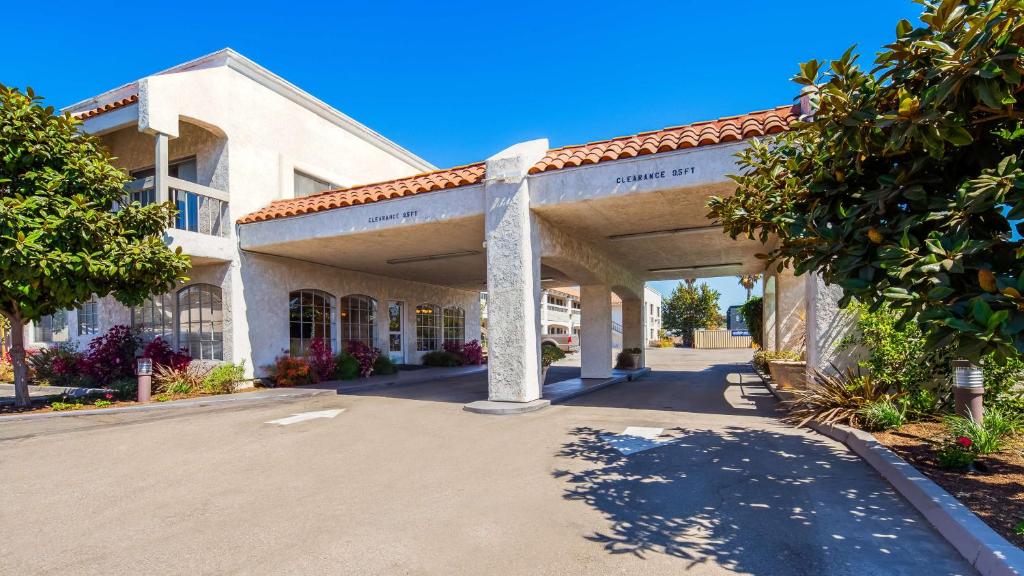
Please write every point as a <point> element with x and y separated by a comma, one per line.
<point>634,326</point>
<point>827,326</point>
<point>513,276</point>
<point>768,312</point>
<point>596,333</point>
<point>160,168</point>
<point>790,311</point>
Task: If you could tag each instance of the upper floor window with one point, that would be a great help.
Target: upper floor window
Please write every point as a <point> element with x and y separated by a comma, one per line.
<point>88,318</point>
<point>182,169</point>
<point>306,185</point>
<point>52,328</point>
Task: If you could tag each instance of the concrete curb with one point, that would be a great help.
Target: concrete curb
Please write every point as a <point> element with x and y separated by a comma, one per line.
<point>187,403</point>
<point>502,408</point>
<point>554,395</point>
<point>987,551</point>
<point>344,388</point>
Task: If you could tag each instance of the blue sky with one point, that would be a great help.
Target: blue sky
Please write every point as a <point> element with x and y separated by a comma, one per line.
<point>455,82</point>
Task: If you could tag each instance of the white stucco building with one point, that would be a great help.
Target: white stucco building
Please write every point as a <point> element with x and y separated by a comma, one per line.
<point>301,222</point>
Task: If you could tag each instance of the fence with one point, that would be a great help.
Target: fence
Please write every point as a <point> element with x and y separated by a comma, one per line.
<point>719,339</point>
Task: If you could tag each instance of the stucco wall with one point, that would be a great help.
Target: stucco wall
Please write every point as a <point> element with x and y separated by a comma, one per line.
<point>266,282</point>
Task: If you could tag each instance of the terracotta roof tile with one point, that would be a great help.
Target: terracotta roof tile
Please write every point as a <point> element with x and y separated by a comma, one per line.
<point>418,184</point>
<point>107,107</point>
<point>728,129</point>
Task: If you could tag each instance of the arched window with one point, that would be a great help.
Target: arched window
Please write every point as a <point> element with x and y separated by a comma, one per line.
<point>201,321</point>
<point>310,314</point>
<point>454,326</point>
<point>155,318</point>
<point>555,330</point>
<point>358,320</point>
<point>428,327</point>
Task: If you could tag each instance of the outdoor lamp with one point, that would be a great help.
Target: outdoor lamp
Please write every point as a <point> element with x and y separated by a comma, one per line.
<point>968,390</point>
<point>144,372</point>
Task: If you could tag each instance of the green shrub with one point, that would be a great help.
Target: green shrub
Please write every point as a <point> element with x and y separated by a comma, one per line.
<point>882,414</point>
<point>955,456</point>
<point>178,380</point>
<point>384,366</point>
<point>346,367</point>
<point>1002,383</point>
<point>753,315</point>
<point>223,378</point>
<point>442,358</point>
<point>985,438</point>
<point>835,399</point>
<point>125,388</point>
<point>550,354</point>
<point>59,365</point>
<point>763,357</point>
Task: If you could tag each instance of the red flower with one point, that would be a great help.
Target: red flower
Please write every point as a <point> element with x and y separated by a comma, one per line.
<point>965,441</point>
<point>108,396</point>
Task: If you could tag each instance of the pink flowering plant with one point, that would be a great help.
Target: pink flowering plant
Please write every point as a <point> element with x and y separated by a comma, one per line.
<point>321,359</point>
<point>473,353</point>
<point>160,351</point>
<point>365,355</point>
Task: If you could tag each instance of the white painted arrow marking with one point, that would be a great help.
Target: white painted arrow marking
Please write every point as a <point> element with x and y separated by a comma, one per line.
<point>637,439</point>
<point>302,417</point>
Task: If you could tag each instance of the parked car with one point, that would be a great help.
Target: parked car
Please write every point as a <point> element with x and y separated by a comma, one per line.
<point>565,342</point>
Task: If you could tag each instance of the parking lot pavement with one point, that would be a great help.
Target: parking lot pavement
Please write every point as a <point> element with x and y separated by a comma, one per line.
<point>403,481</point>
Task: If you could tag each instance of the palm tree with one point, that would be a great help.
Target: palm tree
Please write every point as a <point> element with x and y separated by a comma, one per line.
<point>748,282</point>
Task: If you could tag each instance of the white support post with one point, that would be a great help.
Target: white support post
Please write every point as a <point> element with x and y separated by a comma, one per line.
<point>596,337</point>
<point>160,168</point>
<point>513,276</point>
<point>634,326</point>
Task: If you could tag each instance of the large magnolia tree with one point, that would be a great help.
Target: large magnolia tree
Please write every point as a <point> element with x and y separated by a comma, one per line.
<point>907,184</point>
<point>61,240</point>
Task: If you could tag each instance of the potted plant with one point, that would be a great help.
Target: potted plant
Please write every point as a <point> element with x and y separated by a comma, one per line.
<point>548,356</point>
<point>629,359</point>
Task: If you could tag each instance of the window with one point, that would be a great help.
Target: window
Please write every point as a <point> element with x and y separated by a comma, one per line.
<point>310,314</point>
<point>155,318</point>
<point>201,321</point>
<point>51,328</point>
<point>454,326</point>
<point>306,185</point>
<point>183,169</point>
<point>556,330</point>
<point>428,327</point>
<point>88,318</point>
<point>358,320</point>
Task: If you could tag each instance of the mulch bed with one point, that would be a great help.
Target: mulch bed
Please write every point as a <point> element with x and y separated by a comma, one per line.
<point>994,490</point>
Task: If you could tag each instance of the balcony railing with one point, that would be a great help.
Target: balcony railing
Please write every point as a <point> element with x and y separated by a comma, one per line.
<point>200,209</point>
<point>557,308</point>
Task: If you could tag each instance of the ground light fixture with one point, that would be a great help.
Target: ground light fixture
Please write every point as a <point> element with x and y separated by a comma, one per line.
<point>144,372</point>
<point>968,391</point>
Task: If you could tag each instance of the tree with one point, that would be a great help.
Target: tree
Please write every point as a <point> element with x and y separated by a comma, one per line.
<point>753,316</point>
<point>907,184</point>
<point>748,281</point>
<point>690,307</point>
<point>61,239</point>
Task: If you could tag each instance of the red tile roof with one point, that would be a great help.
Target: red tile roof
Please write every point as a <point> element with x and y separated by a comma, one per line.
<point>729,129</point>
<point>107,107</point>
<point>418,184</point>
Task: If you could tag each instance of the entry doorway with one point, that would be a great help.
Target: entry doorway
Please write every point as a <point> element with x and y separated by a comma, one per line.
<point>396,342</point>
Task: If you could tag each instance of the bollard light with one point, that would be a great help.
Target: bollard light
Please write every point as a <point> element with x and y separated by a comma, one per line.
<point>968,390</point>
<point>143,366</point>
<point>144,372</point>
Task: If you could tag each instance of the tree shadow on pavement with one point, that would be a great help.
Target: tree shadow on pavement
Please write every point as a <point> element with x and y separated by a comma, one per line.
<point>751,501</point>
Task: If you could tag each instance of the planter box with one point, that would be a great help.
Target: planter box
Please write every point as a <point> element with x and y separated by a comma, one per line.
<point>629,362</point>
<point>788,374</point>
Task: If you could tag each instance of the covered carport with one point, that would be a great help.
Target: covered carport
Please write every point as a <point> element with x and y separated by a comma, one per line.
<point>606,216</point>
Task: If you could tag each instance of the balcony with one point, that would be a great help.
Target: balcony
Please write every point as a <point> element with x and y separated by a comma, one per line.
<point>202,224</point>
<point>200,209</point>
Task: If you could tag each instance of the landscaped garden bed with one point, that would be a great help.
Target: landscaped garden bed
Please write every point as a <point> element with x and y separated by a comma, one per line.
<point>993,489</point>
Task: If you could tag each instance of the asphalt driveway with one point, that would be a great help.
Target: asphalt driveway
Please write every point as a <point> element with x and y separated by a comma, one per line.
<point>403,481</point>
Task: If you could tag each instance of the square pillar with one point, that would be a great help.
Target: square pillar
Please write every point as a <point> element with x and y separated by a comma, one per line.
<point>790,311</point>
<point>596,331</point>
<point>160,168</point>
<point>634,327</point>
<point>827,326</point>
<point>513,276</point>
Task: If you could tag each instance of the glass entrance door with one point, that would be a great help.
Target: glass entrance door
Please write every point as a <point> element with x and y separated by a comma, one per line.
<point>396,343</point>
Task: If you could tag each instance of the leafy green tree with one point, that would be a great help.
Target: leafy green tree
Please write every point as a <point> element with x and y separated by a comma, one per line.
<point>907,184</point>
<point>61,239</point>
<point>689,307</point>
